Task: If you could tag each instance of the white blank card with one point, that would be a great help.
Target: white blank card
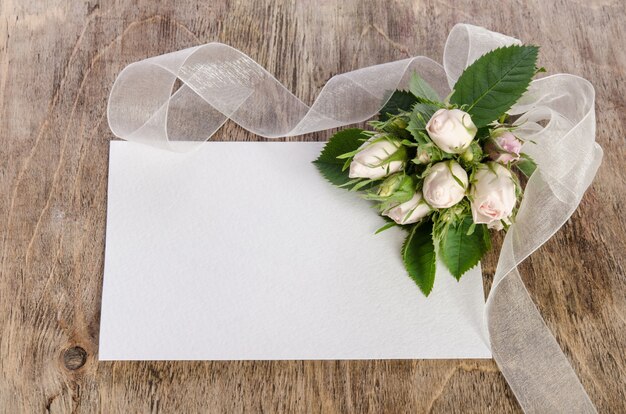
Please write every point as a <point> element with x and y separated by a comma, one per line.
<point>241,250</point>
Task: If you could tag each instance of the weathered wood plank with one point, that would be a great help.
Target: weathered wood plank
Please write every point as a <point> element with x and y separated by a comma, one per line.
<point>57,63</point>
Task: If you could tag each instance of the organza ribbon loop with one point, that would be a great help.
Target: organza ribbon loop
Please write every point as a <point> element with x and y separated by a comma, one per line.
<point>220,83</point>
<point>557,120</point>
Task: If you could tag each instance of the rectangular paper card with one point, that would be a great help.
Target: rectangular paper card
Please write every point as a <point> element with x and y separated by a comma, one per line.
<point>241,250</point>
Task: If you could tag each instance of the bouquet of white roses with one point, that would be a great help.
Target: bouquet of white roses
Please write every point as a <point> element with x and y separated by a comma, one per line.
<point>444,170</point>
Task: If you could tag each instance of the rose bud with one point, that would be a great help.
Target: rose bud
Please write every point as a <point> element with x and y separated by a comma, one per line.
<point>452,130</point>
<point>380,156</point>
<point>400,123</point>
<point>503,146</point>
<point>445,184</point>
<point>422,156</point>
<point>394,183</point>
<point>472,154</point>
<point>468,155</point>
<point>410,211</point>
<point>493,195</point>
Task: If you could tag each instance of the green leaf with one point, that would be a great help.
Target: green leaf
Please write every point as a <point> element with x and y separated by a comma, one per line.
<point>361,184</point>
<point>342,142</point>
<point>421,89</point>
<point>483,133</point>
<point>526,165</point>
<point>494,82</point>
<point>389,220</point>
<point>460,249</point>
<point>394,125</point>
<point>350,182</point>
<point>388,225</point>
<point>400,101</point>
<point>420,115</point>
<point>418,255</point>
<point>471,229</point>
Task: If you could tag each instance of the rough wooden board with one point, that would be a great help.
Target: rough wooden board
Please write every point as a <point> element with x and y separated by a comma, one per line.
<point>57,63</point>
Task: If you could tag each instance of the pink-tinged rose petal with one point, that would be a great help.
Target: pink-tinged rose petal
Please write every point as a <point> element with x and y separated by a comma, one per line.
<point>504,147</point>
<point>493,195</point>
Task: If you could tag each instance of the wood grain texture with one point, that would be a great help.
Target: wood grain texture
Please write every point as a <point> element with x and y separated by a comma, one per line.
<point>58,60</point>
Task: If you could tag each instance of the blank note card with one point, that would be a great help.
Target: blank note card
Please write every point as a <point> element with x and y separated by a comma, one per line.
<point>241,250</point>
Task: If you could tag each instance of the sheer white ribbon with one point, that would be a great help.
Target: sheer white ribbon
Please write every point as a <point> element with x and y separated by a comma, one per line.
<point>220,83</point>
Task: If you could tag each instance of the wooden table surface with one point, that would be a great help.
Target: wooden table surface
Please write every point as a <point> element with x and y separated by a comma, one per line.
<point>57,64</point>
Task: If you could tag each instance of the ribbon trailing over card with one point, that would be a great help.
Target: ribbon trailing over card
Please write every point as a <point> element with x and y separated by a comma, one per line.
<point>556,114</point>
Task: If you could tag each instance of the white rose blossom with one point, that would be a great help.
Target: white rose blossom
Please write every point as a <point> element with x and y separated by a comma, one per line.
<point>493,195</point>
<point>452,130</point>
<point>371,161</point>
<point>410,211</point>
<point>445,184</point>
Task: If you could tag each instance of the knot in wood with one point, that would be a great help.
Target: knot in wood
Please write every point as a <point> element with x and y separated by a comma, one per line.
<point>74,358</point>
